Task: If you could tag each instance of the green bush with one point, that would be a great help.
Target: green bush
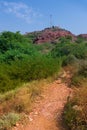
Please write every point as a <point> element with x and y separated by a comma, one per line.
<point>66,49</point>
<point>9,120</point>
<point>45,47</point>
<point>70,60</point>
<point>20,71</point>
<point>83,69</point>
<point>80,75</point>
<point>34,68</point>
<point>8,38</point>
<point>21,61</point>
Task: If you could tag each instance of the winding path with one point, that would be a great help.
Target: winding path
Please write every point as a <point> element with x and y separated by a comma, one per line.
<point>47,111</point>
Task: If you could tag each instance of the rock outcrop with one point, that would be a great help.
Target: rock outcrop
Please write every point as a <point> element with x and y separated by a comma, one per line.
<point>83,36</point>
<point>50,35</point>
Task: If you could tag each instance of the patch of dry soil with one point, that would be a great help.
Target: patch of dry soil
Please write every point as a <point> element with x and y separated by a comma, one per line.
<point>47,111</point>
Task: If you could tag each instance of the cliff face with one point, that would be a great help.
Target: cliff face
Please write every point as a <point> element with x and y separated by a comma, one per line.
<point>50,35</point>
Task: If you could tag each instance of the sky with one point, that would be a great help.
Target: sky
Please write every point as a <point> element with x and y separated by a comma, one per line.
<point>32,15</point>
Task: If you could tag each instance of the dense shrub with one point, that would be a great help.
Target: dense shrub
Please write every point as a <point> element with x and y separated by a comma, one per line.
<point>80,39</point>
<point>10,40</point>
<point>80,75</point>
<point>19,51</point>
<point>69,60</point>
<point>26,70</point>
<point>77,50</point>
<point>45,47</point>
<point>21,61</point>
<point>83,69</point>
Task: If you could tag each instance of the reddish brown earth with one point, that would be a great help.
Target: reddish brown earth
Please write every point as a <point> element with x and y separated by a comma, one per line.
<point>50,35</point>
<point>83,36</point>
<point>47,112</point>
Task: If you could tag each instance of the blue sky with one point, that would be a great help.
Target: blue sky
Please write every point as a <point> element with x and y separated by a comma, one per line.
<point>31,15</point>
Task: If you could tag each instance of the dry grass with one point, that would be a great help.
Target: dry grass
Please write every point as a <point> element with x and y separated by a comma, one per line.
<point>21,100</point>
<point>75,114</point>
<point>81,98</point>
<point>9,120</point>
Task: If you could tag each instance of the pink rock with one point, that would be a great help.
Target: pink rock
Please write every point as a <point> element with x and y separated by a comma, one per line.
<point>51,35</point>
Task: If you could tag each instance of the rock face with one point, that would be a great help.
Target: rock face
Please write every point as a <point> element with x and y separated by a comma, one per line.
<point>83,36</point>
<point>50,35</point>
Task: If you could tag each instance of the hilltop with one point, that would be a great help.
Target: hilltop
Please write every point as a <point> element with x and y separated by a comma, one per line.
<point>50,35</point>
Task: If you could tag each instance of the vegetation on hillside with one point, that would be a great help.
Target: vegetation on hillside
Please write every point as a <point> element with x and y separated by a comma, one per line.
<point>75,56</point>
<point>23,62</point>
<point>20,61</point>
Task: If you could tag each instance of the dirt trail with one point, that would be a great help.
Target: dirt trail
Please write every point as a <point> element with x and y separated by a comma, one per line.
<point>47,111</point>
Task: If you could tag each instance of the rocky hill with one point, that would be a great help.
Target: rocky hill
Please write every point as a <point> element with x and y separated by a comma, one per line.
<point>49,35</point>
<point>83,36</point>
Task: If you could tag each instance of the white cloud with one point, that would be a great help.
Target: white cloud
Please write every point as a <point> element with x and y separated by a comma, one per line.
<point>20,10</point>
